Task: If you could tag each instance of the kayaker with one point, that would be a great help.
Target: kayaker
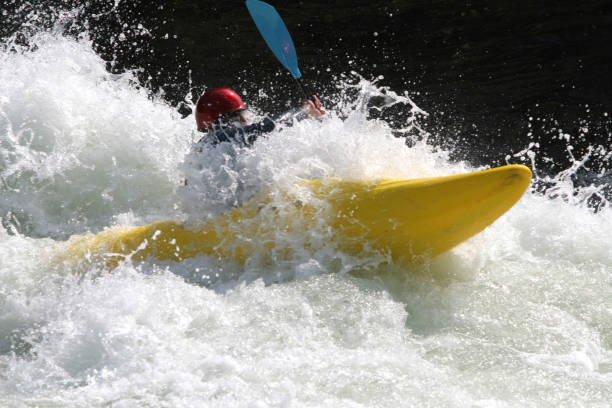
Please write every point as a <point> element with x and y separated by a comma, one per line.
<point>222,114</point>
<point>217,172</point>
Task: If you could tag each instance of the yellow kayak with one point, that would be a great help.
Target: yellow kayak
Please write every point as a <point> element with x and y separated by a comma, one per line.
<point>409,219</point>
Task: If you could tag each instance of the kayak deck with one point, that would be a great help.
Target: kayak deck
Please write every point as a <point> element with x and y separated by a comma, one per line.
<point>410,219</point>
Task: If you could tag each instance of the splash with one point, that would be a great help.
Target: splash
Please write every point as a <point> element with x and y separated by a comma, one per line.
<point>81,149</point>
<point>81,146</point>
<point>586,182</point>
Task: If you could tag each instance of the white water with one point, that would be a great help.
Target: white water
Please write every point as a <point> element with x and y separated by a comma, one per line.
<point>521,315</point>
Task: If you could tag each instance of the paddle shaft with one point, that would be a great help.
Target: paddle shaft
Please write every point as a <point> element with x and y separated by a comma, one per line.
<point>307,93</point>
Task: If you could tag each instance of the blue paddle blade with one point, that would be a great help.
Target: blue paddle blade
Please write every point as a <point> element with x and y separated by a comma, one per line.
<point>275,33</point>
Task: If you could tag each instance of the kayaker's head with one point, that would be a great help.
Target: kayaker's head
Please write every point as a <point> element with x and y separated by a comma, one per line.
<point>220,104</point>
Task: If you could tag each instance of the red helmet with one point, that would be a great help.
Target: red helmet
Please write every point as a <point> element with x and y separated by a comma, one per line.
<point>214,103</point>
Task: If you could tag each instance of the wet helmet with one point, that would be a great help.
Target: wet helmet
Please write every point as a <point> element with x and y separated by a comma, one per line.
<point>215,103</point>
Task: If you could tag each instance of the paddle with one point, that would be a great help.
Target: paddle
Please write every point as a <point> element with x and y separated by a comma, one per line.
<point>275,33</point>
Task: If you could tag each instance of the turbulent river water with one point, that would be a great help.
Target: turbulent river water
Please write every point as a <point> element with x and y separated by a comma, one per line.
<point>520,315</point>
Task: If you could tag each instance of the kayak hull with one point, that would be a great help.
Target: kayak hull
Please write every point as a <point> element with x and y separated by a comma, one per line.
<point>411,220</point>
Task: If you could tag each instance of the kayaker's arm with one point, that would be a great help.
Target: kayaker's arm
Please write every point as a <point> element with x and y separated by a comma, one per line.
<point>247,135</point>
<point>242,135</point>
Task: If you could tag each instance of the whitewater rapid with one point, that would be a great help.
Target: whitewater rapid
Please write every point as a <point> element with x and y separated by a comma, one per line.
<point>520,315</point>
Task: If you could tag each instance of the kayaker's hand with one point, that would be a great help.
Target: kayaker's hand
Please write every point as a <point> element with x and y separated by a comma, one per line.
<point>314,109</point>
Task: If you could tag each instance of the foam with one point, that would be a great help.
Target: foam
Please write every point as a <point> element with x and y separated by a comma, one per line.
<point>517,316</point>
